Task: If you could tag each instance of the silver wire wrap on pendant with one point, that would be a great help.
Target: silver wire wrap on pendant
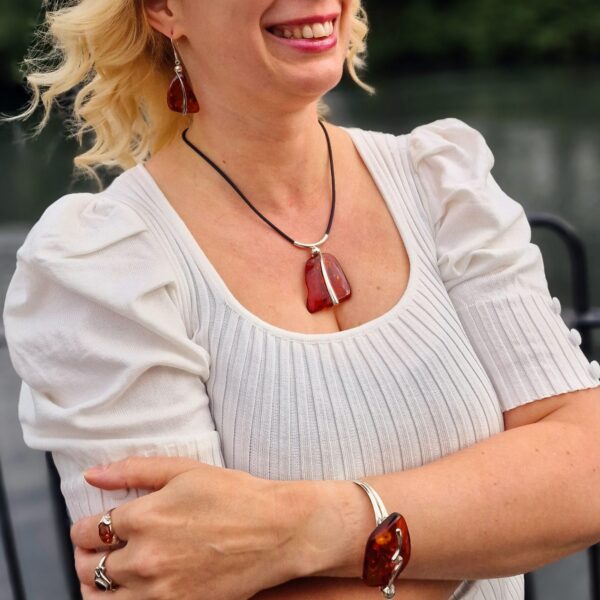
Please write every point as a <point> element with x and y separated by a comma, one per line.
<point>314,248</point>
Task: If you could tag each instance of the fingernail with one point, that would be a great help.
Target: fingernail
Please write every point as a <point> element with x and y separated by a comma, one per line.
<point>96,469</point>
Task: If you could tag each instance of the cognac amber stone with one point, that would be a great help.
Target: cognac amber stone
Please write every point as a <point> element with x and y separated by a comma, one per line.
<point>382,545</point>
<point>318,294</point>
<point>175,96</point>
<point>105,534</point>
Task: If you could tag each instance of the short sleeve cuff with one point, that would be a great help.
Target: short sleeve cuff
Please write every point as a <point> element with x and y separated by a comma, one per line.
<point>526,348</point>
<point>83,499</point>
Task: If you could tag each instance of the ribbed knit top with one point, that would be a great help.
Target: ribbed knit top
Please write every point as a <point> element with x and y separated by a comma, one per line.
<point>128,341</point>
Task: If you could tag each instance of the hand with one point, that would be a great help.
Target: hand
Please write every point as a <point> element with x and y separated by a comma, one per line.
<point>203,532</point>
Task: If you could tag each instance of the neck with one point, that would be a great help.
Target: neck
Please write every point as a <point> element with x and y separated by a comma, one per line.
<point>279,161</point>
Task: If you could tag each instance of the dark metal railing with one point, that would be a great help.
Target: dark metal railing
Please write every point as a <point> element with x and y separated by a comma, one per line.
<point>585,318</point>
<point>63,530</point>
<point>15,577</point>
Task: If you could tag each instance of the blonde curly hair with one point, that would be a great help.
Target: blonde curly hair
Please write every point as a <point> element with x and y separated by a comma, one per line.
<point>97,47</point>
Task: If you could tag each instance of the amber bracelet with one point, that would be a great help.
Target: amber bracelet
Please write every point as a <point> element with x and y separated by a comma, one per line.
<point>387,551</point>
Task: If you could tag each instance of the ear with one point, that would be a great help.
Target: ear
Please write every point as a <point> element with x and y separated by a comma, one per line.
<point>164,16</point>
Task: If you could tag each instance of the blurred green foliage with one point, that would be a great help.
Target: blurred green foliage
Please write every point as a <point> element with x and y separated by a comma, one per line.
<point>18,19</point>
<point>483,32</point>
<point>414,33</point>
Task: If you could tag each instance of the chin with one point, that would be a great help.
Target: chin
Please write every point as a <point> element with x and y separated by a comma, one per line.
<point>315,82</point>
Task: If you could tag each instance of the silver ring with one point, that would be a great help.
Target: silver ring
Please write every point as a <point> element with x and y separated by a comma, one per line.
<point>101,579</point>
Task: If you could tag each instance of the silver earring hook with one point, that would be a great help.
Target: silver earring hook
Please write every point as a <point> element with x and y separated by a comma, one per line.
<point>178,68</point>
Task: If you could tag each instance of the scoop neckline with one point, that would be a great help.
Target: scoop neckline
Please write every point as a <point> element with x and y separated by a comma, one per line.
<point>210,271</point>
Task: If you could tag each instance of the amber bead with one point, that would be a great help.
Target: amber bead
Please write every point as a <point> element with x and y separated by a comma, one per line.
<point>382,547</point>
<point>318,294</point>
<point>105,533</point>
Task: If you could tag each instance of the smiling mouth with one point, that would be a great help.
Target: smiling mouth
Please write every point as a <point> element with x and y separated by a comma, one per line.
<point>304,31</point>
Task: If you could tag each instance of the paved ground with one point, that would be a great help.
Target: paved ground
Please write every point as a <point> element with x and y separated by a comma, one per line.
<point>26,480</point>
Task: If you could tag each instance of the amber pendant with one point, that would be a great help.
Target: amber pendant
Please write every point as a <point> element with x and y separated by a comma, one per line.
<point>180,97</point>
<point>326,282</point>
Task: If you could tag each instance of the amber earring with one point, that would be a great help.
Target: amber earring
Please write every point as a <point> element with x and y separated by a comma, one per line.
<point>180,96</point>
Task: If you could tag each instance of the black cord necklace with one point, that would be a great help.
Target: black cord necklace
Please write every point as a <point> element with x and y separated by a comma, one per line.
<point>326,282</point>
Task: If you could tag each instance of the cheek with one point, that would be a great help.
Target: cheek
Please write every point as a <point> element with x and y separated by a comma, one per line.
<point>222,58</point>
<point>226,36</point>
<point>242,58</point>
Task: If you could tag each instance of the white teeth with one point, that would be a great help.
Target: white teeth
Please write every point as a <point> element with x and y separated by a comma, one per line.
<point>319,30</point>
<point>308,31</point>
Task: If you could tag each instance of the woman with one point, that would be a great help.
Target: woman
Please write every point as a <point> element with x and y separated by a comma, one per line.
<point>160,319</point>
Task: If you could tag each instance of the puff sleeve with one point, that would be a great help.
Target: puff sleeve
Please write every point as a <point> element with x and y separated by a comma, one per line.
<point>492,271</point>
<point>94,331</point>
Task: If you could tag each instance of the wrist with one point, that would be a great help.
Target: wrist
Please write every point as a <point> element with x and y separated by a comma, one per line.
<point>330,521</point>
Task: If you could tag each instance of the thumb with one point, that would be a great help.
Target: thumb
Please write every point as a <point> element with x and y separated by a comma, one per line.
<point>145,472</point>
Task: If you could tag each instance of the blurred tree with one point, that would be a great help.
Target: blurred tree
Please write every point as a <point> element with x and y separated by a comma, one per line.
<point>482,32</point>
<point>17,23</point>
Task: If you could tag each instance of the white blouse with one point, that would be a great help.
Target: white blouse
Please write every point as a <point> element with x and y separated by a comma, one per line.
<point>128,341</point>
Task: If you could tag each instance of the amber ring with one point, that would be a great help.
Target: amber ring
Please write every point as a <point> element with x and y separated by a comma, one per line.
<point>105,530</point>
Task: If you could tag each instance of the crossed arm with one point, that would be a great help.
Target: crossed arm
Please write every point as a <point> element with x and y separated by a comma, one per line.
<point>513,502</point>
<point>509,504</point>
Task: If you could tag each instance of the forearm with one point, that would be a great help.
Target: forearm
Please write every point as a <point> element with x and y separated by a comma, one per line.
<point>509,504</point>
<point>336,588</point>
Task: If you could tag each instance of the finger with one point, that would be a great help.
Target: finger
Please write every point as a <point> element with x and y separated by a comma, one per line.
<point>89,593</point>
<point>86,562</point>
<point>85,532</point>
<point>145,472</point>
<point>93,593</point>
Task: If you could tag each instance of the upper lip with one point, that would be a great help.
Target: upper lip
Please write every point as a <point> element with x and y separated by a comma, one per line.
<point>305,20</point>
